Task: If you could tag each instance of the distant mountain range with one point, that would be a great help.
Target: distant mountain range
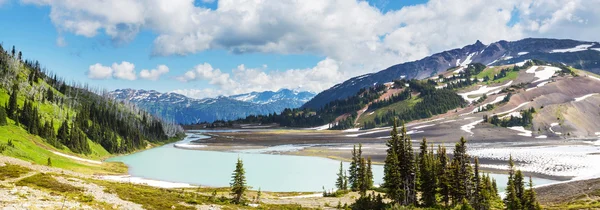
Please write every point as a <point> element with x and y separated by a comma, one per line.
<point>579,54</point>
<point>186,110</point>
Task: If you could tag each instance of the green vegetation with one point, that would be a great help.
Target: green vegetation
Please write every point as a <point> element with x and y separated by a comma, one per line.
<point>9,171</point>
<point>238,183</point>
<point>432,181</point>
<point>46,181</point>
<point>525,120</point>
<point>39,101</point>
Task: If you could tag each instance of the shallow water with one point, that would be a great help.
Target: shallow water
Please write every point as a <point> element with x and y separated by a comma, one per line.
<point>267,171</point>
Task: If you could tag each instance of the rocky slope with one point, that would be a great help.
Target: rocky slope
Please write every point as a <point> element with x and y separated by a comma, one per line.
<point>579,54</point>
<point>187,110</point>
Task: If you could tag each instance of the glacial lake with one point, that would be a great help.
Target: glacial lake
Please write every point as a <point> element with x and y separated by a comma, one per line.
<point>270,172</point>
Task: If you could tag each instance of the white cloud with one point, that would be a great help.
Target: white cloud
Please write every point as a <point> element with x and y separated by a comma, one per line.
<point>98,71</point>
<point>125,71</point>
<point>359,37</point>
<point>242,80</point>
<point>154,74</point>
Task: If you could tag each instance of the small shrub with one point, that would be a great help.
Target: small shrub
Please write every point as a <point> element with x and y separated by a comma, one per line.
<point>47,181</point>
<point>12,171</point>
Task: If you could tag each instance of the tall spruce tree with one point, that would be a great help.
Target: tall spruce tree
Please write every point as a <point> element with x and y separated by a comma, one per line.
<point>369,178</point>
<point>3,116</point>
<point>12,108</point>
<point>340,183</point>
<point>444,175</point>
<point>428,173</point>
<point>392,179</point>
<point>511,201</point>
<point>362,176</point>
<point>353,170</point>
<point>531,202</point>
<point>407,168</point>
<point>461,166</point>
<point>238,182</point>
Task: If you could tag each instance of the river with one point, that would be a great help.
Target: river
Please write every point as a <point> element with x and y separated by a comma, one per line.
<point>270,172</point>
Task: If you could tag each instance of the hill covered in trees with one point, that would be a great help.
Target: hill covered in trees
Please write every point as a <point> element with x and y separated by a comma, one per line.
<point>73,115</point>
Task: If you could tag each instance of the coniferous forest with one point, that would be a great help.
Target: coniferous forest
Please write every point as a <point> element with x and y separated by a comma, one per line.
<point>69,114</point>
<point>430,179</point>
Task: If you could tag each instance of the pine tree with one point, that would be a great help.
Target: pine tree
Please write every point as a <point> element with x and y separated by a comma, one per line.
<point>427,175</point>
<point>352,179</point>
<point>480,196</point>
<point>443,175</point>
<point>49,163</point>
<point>340,183</point>
<point>407,168</point>
<point>511,201</point>
<point>369,178</point>
<point>530,199</point>
<point>519,183</point>
<point>461,166</point>
<point>392,179</point>
<point>362,176</point>
<point>11,109</point>
<point>3,116</point>
<point>238,182</point>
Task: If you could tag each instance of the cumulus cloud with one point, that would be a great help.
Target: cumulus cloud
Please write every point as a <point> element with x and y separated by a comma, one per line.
<point>98,71</point>
<point>154,74</point>
<point>125,71</point>
<point>358,36</point>
<point>242,79</point>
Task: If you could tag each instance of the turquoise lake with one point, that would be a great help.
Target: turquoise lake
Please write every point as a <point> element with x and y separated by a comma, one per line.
<point>268,171</point>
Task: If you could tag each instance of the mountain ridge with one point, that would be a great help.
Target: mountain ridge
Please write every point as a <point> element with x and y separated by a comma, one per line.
<point>186,110</point>
<point>498,53</point>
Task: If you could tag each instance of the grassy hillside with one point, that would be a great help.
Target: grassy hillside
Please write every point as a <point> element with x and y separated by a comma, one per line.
<point>45,114</point>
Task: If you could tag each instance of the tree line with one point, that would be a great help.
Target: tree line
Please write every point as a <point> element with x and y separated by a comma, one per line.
<point>83,113</point>
<point>430,179</point>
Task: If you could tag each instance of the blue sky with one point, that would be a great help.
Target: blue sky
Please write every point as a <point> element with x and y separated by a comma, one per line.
<point>278,50</point>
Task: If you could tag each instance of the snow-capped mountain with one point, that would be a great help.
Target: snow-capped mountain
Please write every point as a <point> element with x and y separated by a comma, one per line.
<point>187,110</point>
<point>270,96</point>
<point>579,54</point>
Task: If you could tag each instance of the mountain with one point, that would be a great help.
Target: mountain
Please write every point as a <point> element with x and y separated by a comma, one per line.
<point>187,110</point>
<point>579,54</point>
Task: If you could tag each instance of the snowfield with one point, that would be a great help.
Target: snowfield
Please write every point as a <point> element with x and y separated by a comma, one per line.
<point>584,97</point>
<point>522,130</point>
<point>483,90</point>
<point>572,161</point>
<point>578,48</point>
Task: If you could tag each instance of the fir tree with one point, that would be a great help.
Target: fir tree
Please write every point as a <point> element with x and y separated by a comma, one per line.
<point>340,183</point>
<point>49,163</point>
<point>3,116</point>
<point>461,166</point>
<point>511,201</point>
<point>369,178</point>
<point>11,109</point>
<point>443,174</point>
<point>238,182</point>
<point>362,177</point>
<point>427,175</point>
<point>530,199</point>
<point>392,179</point>
<point>352,179</point>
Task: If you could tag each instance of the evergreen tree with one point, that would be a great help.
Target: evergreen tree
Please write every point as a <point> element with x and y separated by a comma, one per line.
<point>3,116</point>
<point>362,176</point>
<point>49,163</point>
<point>427,175</point>
<point>11,109</point>
<point>353,170</point>
<point>340,183</point>
<point>461,167</point>
<point>530,199</point>
<point>407,168</point>
<point>520,186</point>
<point>238,182</point>
<point>369,178</point>
<point>392,179</point>
<point>443,175</point>
<point>480,197</point>
<point>511,201</point>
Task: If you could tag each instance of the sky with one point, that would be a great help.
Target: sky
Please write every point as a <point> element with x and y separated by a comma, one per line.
<point>207,48</point>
